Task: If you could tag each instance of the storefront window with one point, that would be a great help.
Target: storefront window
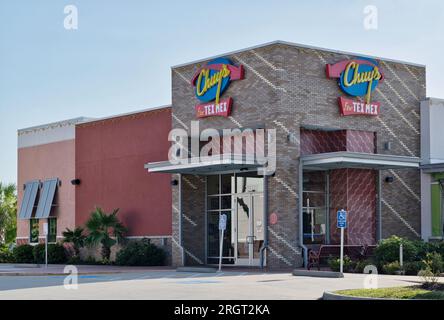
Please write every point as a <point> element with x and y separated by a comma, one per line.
<point>442,211</point>
<point>437,207</point>
<point>34,231</point>
<point>314,208</point>
<point>213,184</point>
<point>52,230</point>
<point>225,183</point>
<point>219,202</point>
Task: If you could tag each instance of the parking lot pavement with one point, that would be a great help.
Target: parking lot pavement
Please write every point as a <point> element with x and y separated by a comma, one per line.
<point>155,285</point>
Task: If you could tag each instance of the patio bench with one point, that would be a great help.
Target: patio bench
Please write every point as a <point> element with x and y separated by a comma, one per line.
<point>327,251</point>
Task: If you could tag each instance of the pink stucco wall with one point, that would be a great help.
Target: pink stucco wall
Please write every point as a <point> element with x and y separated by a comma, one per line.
<point>110,159</point>
<point>52,160</point>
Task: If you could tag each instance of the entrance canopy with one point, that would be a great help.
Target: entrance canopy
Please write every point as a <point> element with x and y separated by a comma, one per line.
<point>433,167</point>
<point>209,165</point>
<point>340,160</point>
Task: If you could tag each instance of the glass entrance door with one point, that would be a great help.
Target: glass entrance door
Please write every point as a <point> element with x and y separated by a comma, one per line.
<point>240,197</point>
<point>249,230</point>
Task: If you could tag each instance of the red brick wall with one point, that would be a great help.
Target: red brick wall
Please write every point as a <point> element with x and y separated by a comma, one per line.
<point>351,189</point>
<point>110,158</point>
<point>355,191</point>
<point>320,141</point>
<point>361,141</point>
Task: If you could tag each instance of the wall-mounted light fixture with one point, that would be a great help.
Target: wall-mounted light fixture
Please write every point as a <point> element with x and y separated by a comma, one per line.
<point>389,179</point>
<point>291,137</point>
<point>75,182</point>
<point>174,182</point>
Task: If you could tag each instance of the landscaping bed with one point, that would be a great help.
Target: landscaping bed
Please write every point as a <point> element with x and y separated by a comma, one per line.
<point>418,258</point>
<point>409,292</point>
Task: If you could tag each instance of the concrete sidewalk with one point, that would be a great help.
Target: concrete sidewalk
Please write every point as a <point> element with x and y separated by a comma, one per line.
<point>58,269</point>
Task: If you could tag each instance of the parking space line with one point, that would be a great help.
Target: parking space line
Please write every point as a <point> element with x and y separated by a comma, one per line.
<point>113,279</point>
<point>168,275</point>
<point>194,275</point>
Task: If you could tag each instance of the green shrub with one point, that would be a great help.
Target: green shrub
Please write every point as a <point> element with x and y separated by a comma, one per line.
<point>422,248</point>
<point>23,254</point>
<point>56,253</point>
<point>391,267</point>
<point>433,261</point>
<point>335,264</point>
<point>38,253</point>
<point>360,265</point>
<point>429,278</point>
<point>439,247</point>
<point>6,255</point>
<point>140,253</point>
<point>89,260</point>
<point>388,250</point>
<point>412,268</point>
<point>74,260</point>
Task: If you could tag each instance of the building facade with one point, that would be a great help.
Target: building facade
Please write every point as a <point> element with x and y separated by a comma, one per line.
<point>88,163</point>
<point>340,131</point>
<point>373,160</point>
<point>432,170</point>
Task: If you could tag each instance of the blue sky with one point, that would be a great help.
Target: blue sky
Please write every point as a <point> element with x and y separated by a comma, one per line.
<point>119,58</point>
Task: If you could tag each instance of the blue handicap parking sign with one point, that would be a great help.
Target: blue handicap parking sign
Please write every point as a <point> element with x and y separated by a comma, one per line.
<point>342,219</point>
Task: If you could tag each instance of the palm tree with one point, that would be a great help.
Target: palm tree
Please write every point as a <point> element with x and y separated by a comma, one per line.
<point>76,237</point>
<point>104,229</point>
<point>8,213</point>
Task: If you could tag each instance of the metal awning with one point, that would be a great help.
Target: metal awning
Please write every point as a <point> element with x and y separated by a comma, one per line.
<point>46,198</point>
<point>340,160</point>
<point>29,197</point>
<point>433,167</point>
<point>209,165</point>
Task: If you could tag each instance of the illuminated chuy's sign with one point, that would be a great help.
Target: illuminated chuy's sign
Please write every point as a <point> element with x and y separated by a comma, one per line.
<point>358,78</point>
<point>210,82</point>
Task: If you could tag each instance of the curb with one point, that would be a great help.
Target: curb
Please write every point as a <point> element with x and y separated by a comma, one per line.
<point>317,274</point>
<point>29,274</point>
<point>335,296</point>
<point>20,265</point>
<point>197,269</point>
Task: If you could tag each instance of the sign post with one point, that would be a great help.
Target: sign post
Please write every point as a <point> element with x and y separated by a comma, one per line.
<point>45,233</point>
<point>222,227</point>
<point>342,224</point>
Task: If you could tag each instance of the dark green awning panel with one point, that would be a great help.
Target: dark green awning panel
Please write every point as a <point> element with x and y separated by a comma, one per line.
<point>46,198</point>
<point>28,201</point>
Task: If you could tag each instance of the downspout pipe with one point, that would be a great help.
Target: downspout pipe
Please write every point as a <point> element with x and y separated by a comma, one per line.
<point>379,206</point>
<point>180,221</point>
<point>301,215</point>
<point>265,219</point>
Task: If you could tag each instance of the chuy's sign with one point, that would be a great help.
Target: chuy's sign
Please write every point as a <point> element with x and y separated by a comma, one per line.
<point>358,78</point>
<point>210,82</point>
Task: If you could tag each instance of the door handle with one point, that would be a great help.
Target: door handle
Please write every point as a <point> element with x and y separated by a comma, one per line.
<point>249,237</point>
